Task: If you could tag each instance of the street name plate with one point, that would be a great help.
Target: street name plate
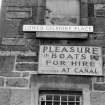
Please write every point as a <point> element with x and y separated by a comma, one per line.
<point>57,28</point>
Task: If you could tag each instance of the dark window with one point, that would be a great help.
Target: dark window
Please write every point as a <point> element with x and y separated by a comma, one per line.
<point>60,98</point>
<point>59,12</point>
<point>62,12</point>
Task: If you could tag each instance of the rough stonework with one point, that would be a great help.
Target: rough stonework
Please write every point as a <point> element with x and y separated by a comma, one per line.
<point>20,97</point>
<point>17,82</point>
<point>5,95</point>
<point>97,98</point>
<point>20,81</point>
<point>15,97</point>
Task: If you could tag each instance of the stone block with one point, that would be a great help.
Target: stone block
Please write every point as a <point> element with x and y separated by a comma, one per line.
<point>13,41</point>
<point>87,42</point>
<point>99,87</point>
<point>100,79</point>
<point>13,74</point>
<point>84,10</point>
<point>90,10</point>
<point>91,21</point>
<point>10,74</point>
<point>32,44</point>
<point>40,15</point>
<point>30,35</point>
<point>100,13</point>
<point>11,28</point>
<point>97,98</point>
<point>103,50</point>
<point>27,58</point>
<point>50,41</point>
<point>15,97</point>
<point>17,82</point>
<point>17,12</point>
<point>96,43</point>
<point>13,48</point>
<point>90,1</point>
<point>25,74</point>
<point>18,53</point>
<point>20,2</point>
<point>20,97</point>
<point>98,36</point>
<point>0,41</point>
<point>84,21</point>
<point>96,1</point>
<point>104,70</point>
<point>6,64</point>
<point>104,60</point>
<point>97,39</point>
<point>5,95</point>
<point>41,2</point>
<point>60,79</point>
<point>17,15</point>
<point>1,81</point>
<point>99,10</point>
<point>26,67</point>
<point>99,24</point>
<point>86,1</point>
<point>18,8</point>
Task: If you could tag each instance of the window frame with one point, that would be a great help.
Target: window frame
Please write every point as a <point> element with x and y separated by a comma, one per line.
<point>43,97</point>
<point>59,16</point>
<point>59,83</point>
<point>83,11</point>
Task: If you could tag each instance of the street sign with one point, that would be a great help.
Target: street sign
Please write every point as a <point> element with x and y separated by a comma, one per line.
<point>57,28</point>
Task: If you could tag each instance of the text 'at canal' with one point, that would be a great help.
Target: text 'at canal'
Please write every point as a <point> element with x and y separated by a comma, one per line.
<point>77,60</point>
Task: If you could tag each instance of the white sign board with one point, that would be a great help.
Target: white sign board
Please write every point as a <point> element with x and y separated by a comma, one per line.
<point>70,60</point>
<point>56,28</point>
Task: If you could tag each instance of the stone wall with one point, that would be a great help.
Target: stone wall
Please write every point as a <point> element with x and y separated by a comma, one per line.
<point>19,50</point>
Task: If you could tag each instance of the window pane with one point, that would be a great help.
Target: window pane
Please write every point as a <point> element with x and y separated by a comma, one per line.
<point>77,103</point>
<point>77,98</point>
<point>48,103</point>
<point>42,102</point>
<point>56,97</point>
<point>49,97</point>
<point>71,103</point>
<point>63,98</point>
<point>68,15</point>
<point>63,103</point>
<point>56,103</point>
<point>43,97</point>
<point>71,98</point>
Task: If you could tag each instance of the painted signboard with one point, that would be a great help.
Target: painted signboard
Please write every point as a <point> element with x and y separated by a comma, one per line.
<point>70,60</point>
